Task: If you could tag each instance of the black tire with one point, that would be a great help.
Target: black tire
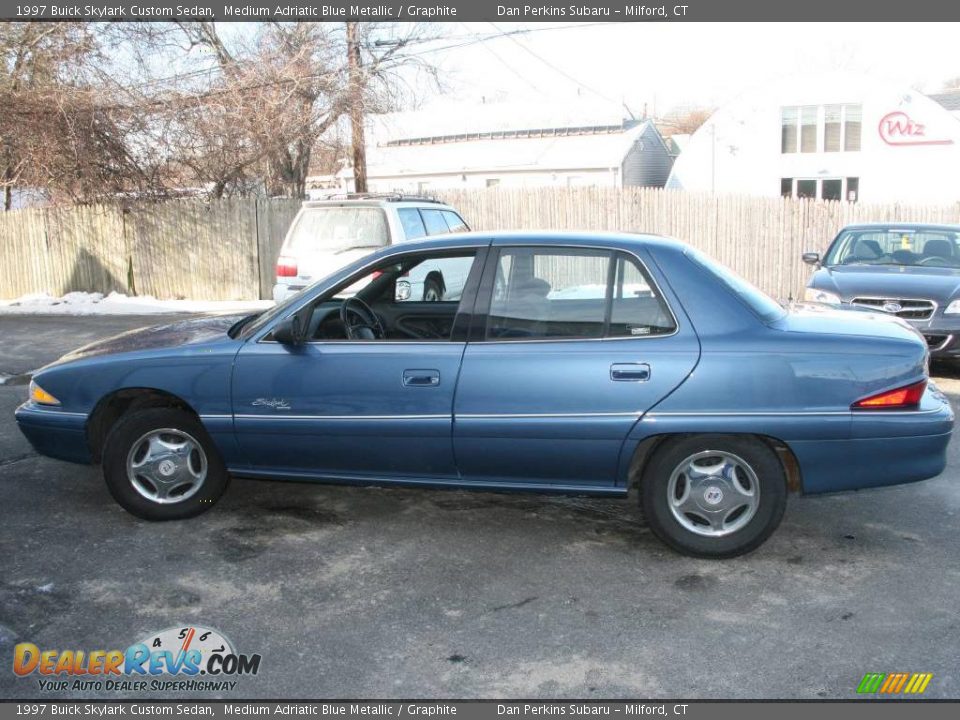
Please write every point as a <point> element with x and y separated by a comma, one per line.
<point>130,431</point>
<point>433,289</point>
<point>759,458</point>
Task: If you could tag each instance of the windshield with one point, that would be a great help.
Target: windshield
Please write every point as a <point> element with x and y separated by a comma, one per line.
<point>336,229</point>
<point>893,246</point>
<point>762,304</point>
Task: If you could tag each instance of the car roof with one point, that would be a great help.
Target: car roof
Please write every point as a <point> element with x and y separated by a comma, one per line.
<point>377,201</point>
<point>540,237</point>
<point>901,226</point>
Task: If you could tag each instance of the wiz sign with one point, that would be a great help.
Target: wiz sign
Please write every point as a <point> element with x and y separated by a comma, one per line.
<point>898,128</point>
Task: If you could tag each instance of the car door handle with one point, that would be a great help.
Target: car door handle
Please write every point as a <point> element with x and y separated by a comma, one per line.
<point>630,372</point>
<point>421,378</point>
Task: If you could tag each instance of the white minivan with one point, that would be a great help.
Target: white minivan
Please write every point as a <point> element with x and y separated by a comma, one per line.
<point>326,235</point>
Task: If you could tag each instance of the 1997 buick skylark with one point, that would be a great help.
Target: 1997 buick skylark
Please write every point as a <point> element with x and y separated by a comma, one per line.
<point>570,363</point>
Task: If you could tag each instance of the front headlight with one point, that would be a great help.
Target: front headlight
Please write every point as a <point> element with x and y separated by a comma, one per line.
<point>822,296</point>
<point>953,308</point>
<point>41,396</point>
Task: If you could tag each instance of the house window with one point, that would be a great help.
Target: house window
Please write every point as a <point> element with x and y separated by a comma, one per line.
<point>852,123</point>
<point>823,189</point>
<point>832,127</point>
<point>831,189</point>
<point>808,129</point>
<point>820,128</point>
<point>853,189</point>
<point>806,189</point>
<point>493,182</point>
<point>788,129</point>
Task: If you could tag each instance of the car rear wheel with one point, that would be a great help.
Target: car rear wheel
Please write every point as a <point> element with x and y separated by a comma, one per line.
<point>160,464</point>
<point>714,496</point>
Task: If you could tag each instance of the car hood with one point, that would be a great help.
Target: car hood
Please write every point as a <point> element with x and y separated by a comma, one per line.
<point>940,284</point>
<point>177,334</point>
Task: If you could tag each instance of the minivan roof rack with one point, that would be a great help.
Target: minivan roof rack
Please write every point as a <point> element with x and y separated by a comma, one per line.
<point>389,197</point>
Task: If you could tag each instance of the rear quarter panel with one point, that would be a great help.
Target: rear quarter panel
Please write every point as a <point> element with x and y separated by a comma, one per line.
<point>796,387</point>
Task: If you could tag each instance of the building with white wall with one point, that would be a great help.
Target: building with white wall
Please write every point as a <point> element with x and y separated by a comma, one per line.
<point>513,145</point>
<point>827,136</point>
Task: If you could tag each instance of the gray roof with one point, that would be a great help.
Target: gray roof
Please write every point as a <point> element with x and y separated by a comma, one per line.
<point>949,100</point>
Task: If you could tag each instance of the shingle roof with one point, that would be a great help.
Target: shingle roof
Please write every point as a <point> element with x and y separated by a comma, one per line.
<point>949,100</point>
<point>541,154</point>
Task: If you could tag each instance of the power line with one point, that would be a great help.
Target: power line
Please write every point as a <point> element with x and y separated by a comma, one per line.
<point>553,67</point>
<point>508,66</point>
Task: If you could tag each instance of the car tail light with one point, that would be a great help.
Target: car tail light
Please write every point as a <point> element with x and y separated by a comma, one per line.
<point>907,396</point>
<point>286,267</point>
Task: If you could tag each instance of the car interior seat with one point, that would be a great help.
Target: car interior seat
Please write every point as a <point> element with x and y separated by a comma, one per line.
<point>522,312</point>
<point>865,250</point>
<point>938,248</point>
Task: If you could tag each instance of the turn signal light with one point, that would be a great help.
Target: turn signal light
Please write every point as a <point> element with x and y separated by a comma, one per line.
<point>286,267</point>
<point>904,397</point>
<point>41,396</point>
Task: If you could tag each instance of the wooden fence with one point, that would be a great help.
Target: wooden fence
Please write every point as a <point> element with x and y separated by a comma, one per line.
<point>760,238</point>
<point>227,249</point>
<point>223,250</point>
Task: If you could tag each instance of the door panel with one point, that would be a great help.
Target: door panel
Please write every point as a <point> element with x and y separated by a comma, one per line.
<point>552,412</point>
<point>347,408</point>
<point>558,411</point>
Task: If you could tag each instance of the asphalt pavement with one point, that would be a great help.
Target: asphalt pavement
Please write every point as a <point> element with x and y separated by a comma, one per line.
<point>390,593</point>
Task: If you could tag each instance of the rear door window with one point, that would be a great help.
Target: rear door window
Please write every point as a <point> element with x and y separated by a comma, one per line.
<point>546,293</point>
<point>434,222</point>
<point>412,223</point>
<point>454,221</point>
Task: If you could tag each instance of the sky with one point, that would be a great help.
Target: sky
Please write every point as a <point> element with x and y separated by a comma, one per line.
<point>667,66</point>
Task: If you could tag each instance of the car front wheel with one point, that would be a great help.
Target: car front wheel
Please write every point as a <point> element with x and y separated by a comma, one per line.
<point>160,464</point>
<point>714,496</point>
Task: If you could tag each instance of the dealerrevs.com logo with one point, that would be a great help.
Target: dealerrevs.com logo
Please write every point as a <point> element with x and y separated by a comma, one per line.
<point>177,659</point>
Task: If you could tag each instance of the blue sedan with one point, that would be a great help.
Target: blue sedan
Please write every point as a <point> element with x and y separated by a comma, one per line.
<point>577,363</point>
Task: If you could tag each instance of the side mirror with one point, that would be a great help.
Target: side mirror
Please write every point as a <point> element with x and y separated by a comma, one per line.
<point>811,258</point>
<point>291,330</point>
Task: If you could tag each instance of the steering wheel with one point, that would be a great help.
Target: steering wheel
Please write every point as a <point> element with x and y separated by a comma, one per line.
<point>931,259</point>
<point>369,326</point>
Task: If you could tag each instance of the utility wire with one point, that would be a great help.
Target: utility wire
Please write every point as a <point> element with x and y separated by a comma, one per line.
<point>556,69</point>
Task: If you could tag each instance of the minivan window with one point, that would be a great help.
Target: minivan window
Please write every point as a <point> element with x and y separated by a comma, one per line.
<point>454,221</point>
<point>413,227</point>
<point>336,229</point>
<point>435,223</point>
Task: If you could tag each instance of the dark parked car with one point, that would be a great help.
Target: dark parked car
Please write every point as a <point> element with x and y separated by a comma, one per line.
<point>584,364</point>
<point>910,270</point>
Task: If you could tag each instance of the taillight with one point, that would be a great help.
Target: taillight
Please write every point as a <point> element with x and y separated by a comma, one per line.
<point>907,396</point>
<point>286,266</point>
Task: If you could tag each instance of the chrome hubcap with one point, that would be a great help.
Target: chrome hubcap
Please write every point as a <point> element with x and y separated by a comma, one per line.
<point>166,466</point>
<point>713,493</point>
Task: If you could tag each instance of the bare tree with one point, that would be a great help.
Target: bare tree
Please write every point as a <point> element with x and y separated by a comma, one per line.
<point>152,109</point>
<point>39,61</point>
<point>685,122</point>
<point>285,89</point>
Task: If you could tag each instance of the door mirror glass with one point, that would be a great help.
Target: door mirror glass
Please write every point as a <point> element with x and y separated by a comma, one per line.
<point>811,258</point>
